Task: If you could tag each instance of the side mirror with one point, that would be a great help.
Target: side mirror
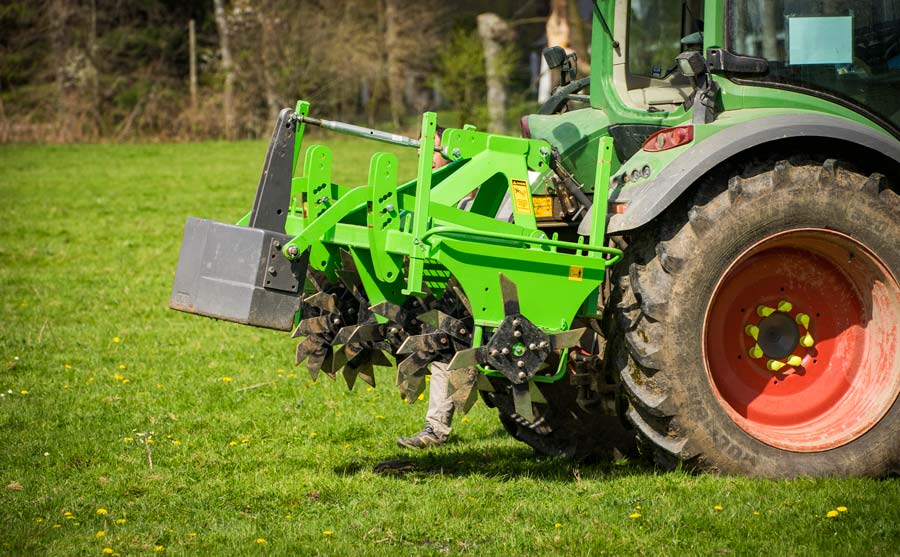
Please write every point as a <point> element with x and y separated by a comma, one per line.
<point>691,63</point>
<point>557,57</point>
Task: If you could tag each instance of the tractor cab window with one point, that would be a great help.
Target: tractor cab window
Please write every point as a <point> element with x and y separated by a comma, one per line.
<point>846,48</point>
<point>657,32</point>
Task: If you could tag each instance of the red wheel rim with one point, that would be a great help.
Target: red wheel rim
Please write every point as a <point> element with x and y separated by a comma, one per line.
<point>824,395</point>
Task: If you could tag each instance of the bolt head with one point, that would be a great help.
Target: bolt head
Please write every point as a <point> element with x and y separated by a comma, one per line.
<point>544,344</point>
<point>532,346</point>
<point>516,322</point>
<point>444,340</point>
<point>517,334</point>
<point>505,351</point>
<point>271,270</point>
<point>293,251</point>
<point>522,376</point>
<point>520,363</point>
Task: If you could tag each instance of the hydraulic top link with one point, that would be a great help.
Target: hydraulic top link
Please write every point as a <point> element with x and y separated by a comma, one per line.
<point>360,131</point>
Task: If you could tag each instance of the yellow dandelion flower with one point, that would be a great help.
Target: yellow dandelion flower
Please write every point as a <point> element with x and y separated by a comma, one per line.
<point>101,534</point>
<point>232,443</point>
<point>756,513</point>
<point>69,517</point>
<point>634,515</point>
<point>158,548</point>
<point>68,366</point>
<point>832,514</point>
<point>101,511</point>
<point>842,509</point>
<point>57,525</point>
<point>118,377</point>
<point>149,440</point>
<point>116,340</point>
<point>327,533</point>
<point>421,397</point>
<point>38,520</point>
<point>281,371</point>
<point>346,445</point>
<point>122,366</point>
<point>313,434</point>
<point>120,521</point>
<point>557,525</point>
<point>638,507</point>
<point>291,375</point>
<point>107,550</point>
<point>192,535</point>
<point>245,440</point>
<point>177,443</point>
<point>260,541</point>
<point>466,420</point>
<point>379,417</point>
<point>125,381</point>
<point>226,380</point>
<point>67,513</point>
<point>23,392</point>
<point>128,439</point>
<point>90,379</point>
<point>717,507</point>
<point>369,389</point>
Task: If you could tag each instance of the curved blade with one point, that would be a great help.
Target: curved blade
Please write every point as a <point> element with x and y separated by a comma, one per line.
<point>565,339</point>
<point>305,348</point>
<point>461,388</point>
<point>323,301</point>
<point>431,342</point>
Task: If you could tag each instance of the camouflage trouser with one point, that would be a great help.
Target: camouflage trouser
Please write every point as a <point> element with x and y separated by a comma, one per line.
<point>440,406</point>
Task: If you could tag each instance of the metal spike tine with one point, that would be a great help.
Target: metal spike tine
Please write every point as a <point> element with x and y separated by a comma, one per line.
<point>350,374</point>
<point>510,295</point>
<point>308,346</point>
<point>465,358</point>
<point>431,318</point>
<point>347,261</point>
<point>445,323</point>
<point>565,339</point>
<point>424,343</point>
<point>389,310</point>
<point>414,363</point>
<point>461,388</point>
<point>344,334</point>
<point>366,373</point>
<point>522,400</point>
<point>352,350</point>
<point>463,298</point>
<point>367,333</point>
<point>322,300</point>
<point>380,359</point>
<point>318,279</point>
<point>338,360</point>
<point>316,359</point>
<point>382,345</point>
<point>313,325</point>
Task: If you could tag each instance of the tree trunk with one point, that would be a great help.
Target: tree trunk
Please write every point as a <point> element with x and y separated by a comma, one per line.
<point>495,33</point>
<point>266,34</point>
<point>392,15</point>
<point>58,15</point>
<point>192,48</point>
<point>227,69</point>
<point>558,34</point>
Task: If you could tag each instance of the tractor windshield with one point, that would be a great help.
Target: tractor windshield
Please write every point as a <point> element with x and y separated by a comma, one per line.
<point>846,48</point>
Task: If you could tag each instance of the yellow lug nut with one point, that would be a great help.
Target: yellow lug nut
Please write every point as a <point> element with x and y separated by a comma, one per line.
<point>802,320</point>
<point>764,311</point>
<point>807,341</point>
<point>795,361</point>
<point>752,330</point>
<point>785,306</point>
<point>774,365</point>
<point>756,352</point>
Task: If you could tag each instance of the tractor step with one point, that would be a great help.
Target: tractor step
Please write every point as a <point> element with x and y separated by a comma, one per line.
<point>237,274</point>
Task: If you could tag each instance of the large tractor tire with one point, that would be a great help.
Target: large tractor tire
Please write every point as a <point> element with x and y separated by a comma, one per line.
<point>761,326</point>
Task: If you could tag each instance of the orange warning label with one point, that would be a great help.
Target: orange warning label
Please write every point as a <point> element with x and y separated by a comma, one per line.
<point>543,206</point>
<point>520,196</point>
<point>576,273</point>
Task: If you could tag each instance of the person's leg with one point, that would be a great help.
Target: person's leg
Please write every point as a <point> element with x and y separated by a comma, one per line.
<point>440,413</point>
<point>440,405</point>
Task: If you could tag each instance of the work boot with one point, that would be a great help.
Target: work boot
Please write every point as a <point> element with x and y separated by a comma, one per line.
<point>425,439</point>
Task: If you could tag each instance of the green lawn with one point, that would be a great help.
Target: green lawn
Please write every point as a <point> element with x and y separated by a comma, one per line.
<point>248,455</point>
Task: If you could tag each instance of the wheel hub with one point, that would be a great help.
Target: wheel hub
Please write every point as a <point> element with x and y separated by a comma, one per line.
<point>778,335</point>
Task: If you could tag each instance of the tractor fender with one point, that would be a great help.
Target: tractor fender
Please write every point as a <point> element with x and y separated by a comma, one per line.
<point>651,199</point>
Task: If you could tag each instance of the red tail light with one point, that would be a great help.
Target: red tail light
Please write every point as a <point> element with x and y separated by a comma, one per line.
<point>526,131</point>
<point>669,138</point>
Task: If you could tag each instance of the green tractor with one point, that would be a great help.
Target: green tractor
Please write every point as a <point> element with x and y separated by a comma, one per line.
<point>701,255</point>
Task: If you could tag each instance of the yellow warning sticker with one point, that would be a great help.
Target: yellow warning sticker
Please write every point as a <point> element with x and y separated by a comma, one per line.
<point>576,273</point>
<point>520,196</point>
<point>543,206</point>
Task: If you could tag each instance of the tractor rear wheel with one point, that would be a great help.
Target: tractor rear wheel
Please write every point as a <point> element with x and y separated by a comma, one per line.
<point>762,328</point>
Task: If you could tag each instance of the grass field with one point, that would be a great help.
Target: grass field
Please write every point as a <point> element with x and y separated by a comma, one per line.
<point>250,457</point>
